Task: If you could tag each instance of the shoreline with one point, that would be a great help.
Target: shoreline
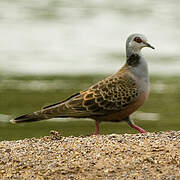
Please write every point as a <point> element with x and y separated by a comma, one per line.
<point>114,156</point>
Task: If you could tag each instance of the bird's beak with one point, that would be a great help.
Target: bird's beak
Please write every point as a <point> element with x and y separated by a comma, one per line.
<point>148,45</point>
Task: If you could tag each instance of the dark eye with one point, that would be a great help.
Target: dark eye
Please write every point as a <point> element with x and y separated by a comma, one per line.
<point>138,39</point>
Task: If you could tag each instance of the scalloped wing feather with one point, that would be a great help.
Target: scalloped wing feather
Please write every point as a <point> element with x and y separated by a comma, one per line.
<point>111,94</point>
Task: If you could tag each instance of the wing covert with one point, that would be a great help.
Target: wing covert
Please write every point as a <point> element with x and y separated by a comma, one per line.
<point>110,94</point>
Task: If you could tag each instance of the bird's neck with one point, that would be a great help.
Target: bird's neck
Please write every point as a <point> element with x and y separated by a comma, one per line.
<point>136,63</point>
<point>132,50</point>
<point>133,60</point>
<point>133,55</point>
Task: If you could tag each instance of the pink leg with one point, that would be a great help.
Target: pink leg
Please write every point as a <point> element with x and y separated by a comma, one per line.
<point>97,128</point>
<point>131,123</point>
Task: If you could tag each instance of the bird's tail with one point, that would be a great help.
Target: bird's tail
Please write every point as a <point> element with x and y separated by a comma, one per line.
<point>35,116</point>
<point>60,110</point>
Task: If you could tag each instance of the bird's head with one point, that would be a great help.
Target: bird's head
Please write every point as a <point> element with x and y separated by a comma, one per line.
<point>135,42</point>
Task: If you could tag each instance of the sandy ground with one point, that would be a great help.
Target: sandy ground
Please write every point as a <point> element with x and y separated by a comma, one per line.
<point>128,156</point>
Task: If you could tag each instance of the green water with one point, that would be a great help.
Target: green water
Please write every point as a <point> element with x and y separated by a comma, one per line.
<point>23,94</point>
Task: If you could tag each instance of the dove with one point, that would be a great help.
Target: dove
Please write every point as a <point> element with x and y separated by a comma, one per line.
<point>112,99</point>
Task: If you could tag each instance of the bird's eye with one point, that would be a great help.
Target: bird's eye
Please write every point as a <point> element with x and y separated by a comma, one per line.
<point>138,39</point>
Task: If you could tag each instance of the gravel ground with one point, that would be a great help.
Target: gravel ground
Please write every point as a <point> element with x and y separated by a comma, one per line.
<point>128,156</point>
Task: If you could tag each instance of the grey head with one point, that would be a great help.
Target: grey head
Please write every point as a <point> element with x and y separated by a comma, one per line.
<point>135,42</point>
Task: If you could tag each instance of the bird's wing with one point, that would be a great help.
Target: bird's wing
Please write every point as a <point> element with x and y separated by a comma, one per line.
<point>111,94</point>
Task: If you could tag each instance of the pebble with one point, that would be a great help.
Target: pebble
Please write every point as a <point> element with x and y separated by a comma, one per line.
<point>116,156</point>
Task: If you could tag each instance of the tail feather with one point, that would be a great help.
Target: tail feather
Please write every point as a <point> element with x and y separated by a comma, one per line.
<point>36,116</point>
<point>60,110</point>
<point>42,114</point>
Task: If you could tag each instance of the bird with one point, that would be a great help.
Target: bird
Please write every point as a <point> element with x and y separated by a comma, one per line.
<point>112,99</point>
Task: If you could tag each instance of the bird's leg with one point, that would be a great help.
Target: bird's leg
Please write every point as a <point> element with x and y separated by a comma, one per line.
<point>97,128</point>
<point>133,125</point>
